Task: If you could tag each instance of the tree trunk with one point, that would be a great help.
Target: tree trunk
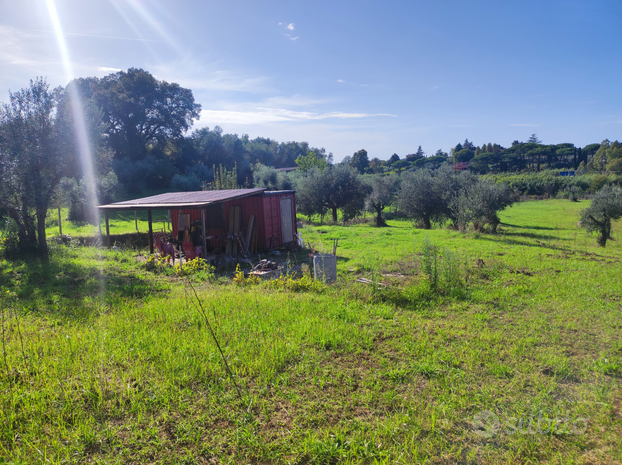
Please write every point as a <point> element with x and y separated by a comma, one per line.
<point>43,245</point>
<point>426,222</point>
<point>30,230</point>
<point>334,209</point>
<point>21,228</point>
<point>379,219</point>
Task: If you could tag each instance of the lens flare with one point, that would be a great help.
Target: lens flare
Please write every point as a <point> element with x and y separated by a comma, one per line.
<point>144,13</point>
<point>81,133</point>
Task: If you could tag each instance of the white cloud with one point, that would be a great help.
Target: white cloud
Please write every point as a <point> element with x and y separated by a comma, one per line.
<point>200,76</point>
<point>293,38</point>
<point>105,69</point>
<point>264,115</point>
<point>280,24</point>
<point>290,26</point>
<point>340,80</point>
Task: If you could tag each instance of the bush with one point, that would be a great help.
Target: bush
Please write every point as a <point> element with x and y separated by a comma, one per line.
<point>442,272</point>
<point>197,266</point>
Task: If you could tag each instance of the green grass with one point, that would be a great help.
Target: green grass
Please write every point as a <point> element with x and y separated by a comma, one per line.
<point>108,363</point>
<point>120,222</point>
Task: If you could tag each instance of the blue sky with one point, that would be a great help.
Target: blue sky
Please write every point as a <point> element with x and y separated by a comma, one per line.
<point>346,75</point>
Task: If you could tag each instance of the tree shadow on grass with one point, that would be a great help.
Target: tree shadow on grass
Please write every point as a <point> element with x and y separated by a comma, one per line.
<point>530,227</point>
<point>539,237</point>
<point>67,288</point>
<point>501,239</point>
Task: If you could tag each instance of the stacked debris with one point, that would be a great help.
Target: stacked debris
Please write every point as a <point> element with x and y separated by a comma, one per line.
<point>266,265</point>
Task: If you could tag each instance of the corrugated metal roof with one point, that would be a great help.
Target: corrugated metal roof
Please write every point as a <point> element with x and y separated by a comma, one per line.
<point>195,199</point>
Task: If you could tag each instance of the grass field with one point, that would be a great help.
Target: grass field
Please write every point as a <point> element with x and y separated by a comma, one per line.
<point>510,352</point>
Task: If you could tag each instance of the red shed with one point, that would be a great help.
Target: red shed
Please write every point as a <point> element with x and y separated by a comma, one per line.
<point>259,219</point>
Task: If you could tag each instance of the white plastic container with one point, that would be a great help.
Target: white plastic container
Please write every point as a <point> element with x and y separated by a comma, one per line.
<point>325,268</point>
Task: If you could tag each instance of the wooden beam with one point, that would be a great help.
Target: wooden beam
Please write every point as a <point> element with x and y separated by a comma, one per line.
<point>249,231</point>
<point>107,229</point>
<point>60,223</point>
<point>203,213</point>
<point>150,231</point>
<point>136,219</point>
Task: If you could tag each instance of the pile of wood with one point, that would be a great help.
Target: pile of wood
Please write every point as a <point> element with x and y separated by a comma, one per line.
<point>265,265</point>
<point>239,243</point>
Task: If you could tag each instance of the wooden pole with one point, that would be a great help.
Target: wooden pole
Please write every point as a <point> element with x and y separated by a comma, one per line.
<point>169,220</point>
<point>150,231</point>
<point>107,228</point>
<point>204,232</point>
<point>60,223</point>
<point>136,220</point>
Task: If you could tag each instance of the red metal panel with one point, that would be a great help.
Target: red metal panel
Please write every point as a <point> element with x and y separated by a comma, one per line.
<point>252,205</point>
<point>267,211</point>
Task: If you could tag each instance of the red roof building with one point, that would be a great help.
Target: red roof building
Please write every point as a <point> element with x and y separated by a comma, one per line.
<point>223,219</point>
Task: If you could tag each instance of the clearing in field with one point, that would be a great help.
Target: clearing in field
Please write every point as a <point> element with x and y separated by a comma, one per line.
<point>459,348</point>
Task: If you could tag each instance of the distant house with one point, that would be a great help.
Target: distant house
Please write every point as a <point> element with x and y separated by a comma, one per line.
<point>288,169</point>
<point>462,166</point>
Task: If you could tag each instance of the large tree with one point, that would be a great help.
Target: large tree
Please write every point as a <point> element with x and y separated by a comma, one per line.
<point>45,136</point>
<point>31,164</point>
<point>360,161</point>
<point>141,111</point>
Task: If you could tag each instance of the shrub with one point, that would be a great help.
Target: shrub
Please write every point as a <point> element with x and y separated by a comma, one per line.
<point>194,267</point>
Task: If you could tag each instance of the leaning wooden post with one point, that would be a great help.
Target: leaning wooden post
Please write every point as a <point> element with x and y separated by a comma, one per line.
<point>60,223</point>
<point>136,220</point>
<point>107,228</point>
<point>204,232</point>
<point>150,231</point>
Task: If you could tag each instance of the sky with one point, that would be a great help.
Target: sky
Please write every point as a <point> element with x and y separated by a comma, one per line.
<point>346,75</point>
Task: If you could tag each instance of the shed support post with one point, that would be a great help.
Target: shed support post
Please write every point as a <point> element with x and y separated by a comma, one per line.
<point>60,223</point>
<point>150,232</point>
<point>107,228</point>
<point>204,232</point>
<point>136,220</point>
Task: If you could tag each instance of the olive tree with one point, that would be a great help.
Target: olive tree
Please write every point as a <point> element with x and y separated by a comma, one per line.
<point>383,193</point>
<point>335,188</point>
<point>605,207</point>
<point>421,198</point>
<point>480,203</point>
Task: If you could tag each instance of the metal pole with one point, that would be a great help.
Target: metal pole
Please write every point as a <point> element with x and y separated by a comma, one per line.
<point>107,228</point>
<point>150,235</point>
<point>204,232</point>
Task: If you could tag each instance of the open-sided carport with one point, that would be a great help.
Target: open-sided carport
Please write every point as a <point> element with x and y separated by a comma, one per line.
<point>223,215</point>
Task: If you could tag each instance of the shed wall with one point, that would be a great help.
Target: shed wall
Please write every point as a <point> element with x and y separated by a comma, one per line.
<point>267,211</point>
<point>249,206</point>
